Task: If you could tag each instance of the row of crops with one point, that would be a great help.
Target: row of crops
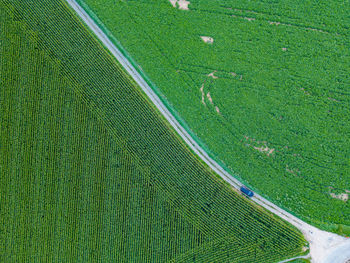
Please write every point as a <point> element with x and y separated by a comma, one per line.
<point>269,97</point>
<point>90,172</point>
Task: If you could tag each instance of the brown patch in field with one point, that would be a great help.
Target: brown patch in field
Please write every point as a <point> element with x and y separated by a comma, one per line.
<point>209,98</point>
<point>284,49</point>
<point>203,94</point>
<point>233,74</point>
<point>208,40</point>
<point>263,149</point>
<point>344,197</point>
<point>318,30</point>
<point>249,18</point>
<point>181,4</point>
<point>173,2</point>
<point>274,23</point>
<point>212,75</point>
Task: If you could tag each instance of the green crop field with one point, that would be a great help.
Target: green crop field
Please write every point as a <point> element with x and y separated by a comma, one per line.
<point>90,172</point>
<point>262,85</point>
<point>300,261</point>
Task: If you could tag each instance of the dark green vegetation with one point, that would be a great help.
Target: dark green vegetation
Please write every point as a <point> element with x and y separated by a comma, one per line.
<point>91,173</point>
<point>300,261</point>
<point>282,90</point>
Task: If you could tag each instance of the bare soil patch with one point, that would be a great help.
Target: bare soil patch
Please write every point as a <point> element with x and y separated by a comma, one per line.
<point>203,94</point>
<point>208,40</point>
<point>181,4</point>
<point>209,98</point>
<point>212,75</point>
<point>344,197</point>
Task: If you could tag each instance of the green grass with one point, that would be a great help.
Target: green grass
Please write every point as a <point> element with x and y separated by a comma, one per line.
<point>301,260</point>
<point>90,172</point>
<point>281,86</point>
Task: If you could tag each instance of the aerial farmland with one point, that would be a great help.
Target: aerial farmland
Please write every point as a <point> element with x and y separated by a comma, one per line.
<point>174,131</point>
<point>262,85</point>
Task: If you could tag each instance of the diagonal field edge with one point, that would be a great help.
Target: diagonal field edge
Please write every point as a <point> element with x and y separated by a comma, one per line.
<point>324,246</point>
<point>174,123</point>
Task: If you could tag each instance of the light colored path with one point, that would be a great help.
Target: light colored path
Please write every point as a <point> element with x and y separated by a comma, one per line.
<point>339,254</point>
<point>291,259</point>
<point>322,244</point>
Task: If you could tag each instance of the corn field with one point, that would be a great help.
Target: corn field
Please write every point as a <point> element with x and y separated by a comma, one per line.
<point>90,171</point>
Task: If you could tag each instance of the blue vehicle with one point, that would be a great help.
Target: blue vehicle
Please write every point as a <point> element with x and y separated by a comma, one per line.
<point>247,191</point>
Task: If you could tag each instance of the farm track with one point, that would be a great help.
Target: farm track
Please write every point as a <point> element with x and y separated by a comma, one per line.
<point>322,244</point>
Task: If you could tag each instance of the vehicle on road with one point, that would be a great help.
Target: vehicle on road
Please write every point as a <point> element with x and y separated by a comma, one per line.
<point>247,191</point>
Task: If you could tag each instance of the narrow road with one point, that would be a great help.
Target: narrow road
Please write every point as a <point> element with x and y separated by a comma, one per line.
<point>321,242</point>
